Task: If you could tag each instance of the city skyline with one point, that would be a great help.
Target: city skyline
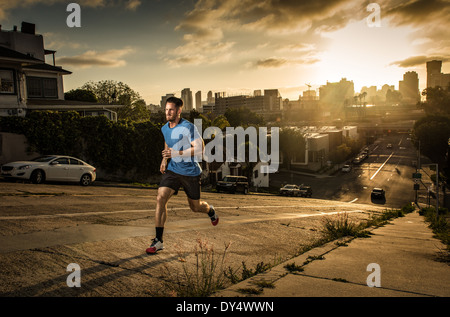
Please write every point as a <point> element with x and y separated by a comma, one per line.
<point>159,48</point>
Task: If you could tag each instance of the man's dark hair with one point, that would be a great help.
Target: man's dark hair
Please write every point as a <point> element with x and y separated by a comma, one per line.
<point>177,101</point>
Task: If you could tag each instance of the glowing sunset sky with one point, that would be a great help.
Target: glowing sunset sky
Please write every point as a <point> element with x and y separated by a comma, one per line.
<point>237,46</point>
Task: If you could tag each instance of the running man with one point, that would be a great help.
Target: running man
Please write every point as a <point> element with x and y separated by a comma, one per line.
<point>180,167</point>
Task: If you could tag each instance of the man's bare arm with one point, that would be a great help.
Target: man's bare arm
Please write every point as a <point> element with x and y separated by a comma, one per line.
<point>197,148</point>
<point>163,166</point>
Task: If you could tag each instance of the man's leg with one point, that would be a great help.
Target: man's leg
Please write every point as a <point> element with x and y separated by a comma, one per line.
<point>198,205</point>
<point>192,187</point>
<point>164,193</point>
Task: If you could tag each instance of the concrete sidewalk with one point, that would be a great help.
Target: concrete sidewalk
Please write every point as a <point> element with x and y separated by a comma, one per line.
<point>405,252</point>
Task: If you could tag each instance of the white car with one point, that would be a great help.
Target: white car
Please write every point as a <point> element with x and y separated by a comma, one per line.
<point>51,168</point>
<point>346,168</point>
<point>290,190</point>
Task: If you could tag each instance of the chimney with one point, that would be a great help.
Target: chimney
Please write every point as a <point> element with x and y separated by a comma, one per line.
<point>28,28</point>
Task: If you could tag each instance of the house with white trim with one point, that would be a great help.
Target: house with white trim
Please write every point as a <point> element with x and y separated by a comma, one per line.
<point>28,83</point>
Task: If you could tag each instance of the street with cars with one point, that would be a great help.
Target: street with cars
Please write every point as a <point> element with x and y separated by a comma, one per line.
<point>106,227</point>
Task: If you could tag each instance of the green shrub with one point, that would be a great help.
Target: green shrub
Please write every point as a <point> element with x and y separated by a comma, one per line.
<point>121,146</point>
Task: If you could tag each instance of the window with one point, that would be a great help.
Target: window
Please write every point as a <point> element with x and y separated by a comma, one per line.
<point>40,87</point>
<point>75,162</point>
<point>63,160</point>
<point>7,82</point>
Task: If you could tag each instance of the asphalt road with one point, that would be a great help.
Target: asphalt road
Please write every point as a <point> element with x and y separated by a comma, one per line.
<point>387,168</point>
<point>105,230</point>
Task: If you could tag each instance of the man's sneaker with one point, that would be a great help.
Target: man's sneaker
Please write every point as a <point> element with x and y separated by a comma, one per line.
<point>214,218</point>
<point>155,246</point>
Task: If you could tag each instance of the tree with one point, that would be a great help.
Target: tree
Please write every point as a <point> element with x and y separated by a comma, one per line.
<point>393,96</point>
<point>113,92</point>
<point>433,132</point>
<point>438,101</point>
<point>221,122</point>
<point>243,116</point>
<point>341,153</point>
<point>136,112</point>
<point>80,95</point>
<point>292,145</point>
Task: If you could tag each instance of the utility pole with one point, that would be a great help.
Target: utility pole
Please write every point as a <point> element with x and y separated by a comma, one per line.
<point>437,189</point>
<point>437,185</point>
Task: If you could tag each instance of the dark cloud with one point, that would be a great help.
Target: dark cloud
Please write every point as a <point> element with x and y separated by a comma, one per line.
<point>269,15</point>
<point>418,60</point>
<point>417,12</point>
<point>110,58</point>
<point>7,5</point>
<point>271,62</point>
<point>282,62</point>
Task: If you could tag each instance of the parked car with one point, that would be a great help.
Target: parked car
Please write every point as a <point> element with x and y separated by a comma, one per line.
<point>389,146</point>
<point>51,168</point>
<point>233,184</point>
<point>290,190</point>
<point>346,168</point>
<point>305,191</point>
<point>363,155</point>
<point>378,193</point>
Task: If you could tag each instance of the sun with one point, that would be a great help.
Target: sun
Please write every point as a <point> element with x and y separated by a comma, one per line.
<point>364,55</point>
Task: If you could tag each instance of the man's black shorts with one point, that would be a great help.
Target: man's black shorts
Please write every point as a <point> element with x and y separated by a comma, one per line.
<point>190,184</point>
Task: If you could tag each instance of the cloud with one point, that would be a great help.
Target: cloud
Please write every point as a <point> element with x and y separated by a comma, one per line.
<point>428,17</point>
<point>298,47</point>
<point>274,62</point>
<point>133,4</point>
<point>271,63</point>
<point>192,54</point>
<point>269,15</point>
<point>55,41</point>
<point>110,58</point>
<point>417,12</point>
<point>8,5</point>
<point>236,26</point>
<point>419,60</point>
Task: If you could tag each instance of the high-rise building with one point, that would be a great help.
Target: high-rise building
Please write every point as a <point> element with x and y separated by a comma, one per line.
<point>163,100</point>
<point>371,94</point>
<point>209,106</point>
<point>409,87</point>
<point>334,96</point>
<point>198,101</point>
<point>272,100</point>
<point>186,96</point>
<point>434,75</point>
<point>210,98</point>
<point>433,72</point>
<point>269,103</point>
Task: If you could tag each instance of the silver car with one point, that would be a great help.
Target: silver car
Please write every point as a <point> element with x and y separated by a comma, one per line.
<point>51,168</point>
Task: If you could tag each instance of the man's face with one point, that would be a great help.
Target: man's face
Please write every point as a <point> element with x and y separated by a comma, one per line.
<point>172,113</point>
